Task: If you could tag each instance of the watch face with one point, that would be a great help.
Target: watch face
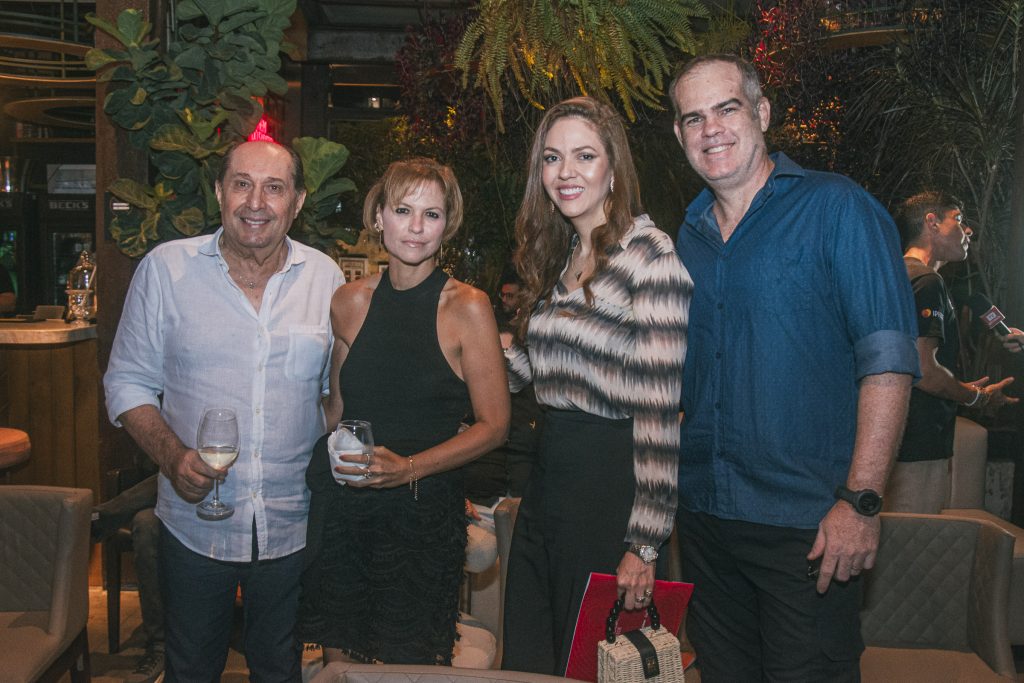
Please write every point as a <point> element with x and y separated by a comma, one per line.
<point>648,554</point>
<point>869,502</point>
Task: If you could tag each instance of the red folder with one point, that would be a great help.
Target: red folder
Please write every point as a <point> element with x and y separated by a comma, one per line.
<point>670,597</point>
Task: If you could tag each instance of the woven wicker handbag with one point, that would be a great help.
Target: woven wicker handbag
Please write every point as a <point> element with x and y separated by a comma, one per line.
<point>649,654</point>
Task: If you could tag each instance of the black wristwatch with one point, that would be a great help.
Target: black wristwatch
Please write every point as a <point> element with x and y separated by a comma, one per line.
<point>865,501</point>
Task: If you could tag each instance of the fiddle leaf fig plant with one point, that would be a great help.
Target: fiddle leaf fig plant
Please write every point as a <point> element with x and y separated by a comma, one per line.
<point>188,104</point>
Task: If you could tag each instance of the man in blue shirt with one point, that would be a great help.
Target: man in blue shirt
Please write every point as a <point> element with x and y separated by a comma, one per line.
<point>795,390</point>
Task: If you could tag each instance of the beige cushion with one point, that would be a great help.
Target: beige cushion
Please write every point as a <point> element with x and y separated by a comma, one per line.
<point>481,549</point>
<point>24,634</point>
<point>970,454</point>
<point>342,672</point>
<point>476,647</point>
<point>928,666</point>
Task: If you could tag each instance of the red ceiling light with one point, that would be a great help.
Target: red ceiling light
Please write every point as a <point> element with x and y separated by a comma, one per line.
<point>260,134</point>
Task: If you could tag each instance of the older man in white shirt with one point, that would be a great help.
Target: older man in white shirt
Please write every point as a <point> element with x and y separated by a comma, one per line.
<point>238,319</point>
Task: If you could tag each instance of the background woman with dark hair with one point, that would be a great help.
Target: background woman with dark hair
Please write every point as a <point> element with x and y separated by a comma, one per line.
<point>603,317</point>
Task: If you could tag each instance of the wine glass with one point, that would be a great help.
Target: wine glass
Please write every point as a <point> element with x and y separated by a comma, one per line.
<point>217,443</point>
<point>351,437</point>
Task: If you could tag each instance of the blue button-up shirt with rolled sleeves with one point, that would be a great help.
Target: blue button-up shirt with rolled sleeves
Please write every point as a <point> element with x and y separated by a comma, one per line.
<point>808,296</point>
<point>190,340</point>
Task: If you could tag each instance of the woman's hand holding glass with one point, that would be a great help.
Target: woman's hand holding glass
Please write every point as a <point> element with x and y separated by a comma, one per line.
<point>387,470</point>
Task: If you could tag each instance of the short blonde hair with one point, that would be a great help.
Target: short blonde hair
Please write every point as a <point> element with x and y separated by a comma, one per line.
<point>404,177</point>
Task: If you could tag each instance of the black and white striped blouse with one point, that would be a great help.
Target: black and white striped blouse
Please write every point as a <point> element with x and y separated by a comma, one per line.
<point>622,356</point>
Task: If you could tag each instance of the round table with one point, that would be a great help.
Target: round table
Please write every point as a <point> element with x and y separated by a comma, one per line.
<point>15,449</point>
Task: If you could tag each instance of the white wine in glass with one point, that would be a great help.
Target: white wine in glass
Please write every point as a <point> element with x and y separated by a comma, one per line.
<point>217,443</point>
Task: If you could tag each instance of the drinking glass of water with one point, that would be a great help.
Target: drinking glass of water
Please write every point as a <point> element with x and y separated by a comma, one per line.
<point>352,437</point>
<point>217,443</point>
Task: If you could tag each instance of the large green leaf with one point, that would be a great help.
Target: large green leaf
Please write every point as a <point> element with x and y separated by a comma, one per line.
<point>321,159</point>
<point>133,192</point>
<point>187,10</point>
<point>110,29</point>
<point>239,71</point>
<point>133,117</point>
<point>190,33</point>
<point>96,59</point>
<point>334,187</point>
<point>213,9</point>
<point>189,222</point>
<point>202,128</point>
<point>148,228</point>
<point>141,58</point>
<point>176,138</point>
<point>174,165</point>
<point>128,236</point>
<point>238,20</point>
<point>116,100</point>
<point>132,25</point>
<point>192,57</point>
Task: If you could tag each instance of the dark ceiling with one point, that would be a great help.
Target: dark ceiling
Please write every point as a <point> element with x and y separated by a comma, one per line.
<point>358,42</point>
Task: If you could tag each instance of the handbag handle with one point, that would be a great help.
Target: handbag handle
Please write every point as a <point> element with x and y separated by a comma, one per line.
<point>613,618</point>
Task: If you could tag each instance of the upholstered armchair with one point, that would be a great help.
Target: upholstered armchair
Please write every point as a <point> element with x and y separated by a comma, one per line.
<point>935,604</point>
<point>44,583</point>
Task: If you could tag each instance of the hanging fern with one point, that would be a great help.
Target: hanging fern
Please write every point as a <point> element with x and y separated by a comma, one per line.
<point>623,47</point>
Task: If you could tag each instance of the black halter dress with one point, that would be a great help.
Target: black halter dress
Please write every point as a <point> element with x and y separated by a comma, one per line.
<point>383,569</point>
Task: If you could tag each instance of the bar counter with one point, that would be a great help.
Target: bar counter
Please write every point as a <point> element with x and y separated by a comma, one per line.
<point>49,388</point>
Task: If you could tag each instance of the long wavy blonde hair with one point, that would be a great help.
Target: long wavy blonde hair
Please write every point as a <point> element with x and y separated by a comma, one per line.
<point>543,235</point>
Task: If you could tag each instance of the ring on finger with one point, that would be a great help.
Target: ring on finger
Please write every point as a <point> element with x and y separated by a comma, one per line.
<point>367,474</point>
<point>367,459</point>
<point>648,592</point>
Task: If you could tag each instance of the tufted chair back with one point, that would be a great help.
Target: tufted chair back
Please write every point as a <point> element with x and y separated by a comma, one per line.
<point>44,566</point>
<point>935,604</point>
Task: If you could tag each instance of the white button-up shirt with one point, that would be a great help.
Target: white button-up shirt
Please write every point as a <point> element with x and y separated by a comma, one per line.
<point>189,340</point>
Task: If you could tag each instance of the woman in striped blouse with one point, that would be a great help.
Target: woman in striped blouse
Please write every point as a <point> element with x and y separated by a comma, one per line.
<point>603,315</point>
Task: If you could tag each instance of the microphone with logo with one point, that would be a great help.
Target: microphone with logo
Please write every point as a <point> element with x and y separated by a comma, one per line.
<point>990,316</point>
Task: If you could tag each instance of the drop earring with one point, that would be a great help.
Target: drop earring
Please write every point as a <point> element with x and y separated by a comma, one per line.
<point>611,185</point>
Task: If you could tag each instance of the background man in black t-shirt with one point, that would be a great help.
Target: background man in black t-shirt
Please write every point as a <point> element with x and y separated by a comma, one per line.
<point>933,233</point>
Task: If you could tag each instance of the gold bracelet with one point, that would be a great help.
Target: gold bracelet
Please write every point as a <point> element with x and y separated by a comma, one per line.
<point>414,483</point>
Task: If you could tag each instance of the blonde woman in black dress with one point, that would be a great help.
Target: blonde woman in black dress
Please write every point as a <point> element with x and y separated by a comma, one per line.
<point>414,352</point>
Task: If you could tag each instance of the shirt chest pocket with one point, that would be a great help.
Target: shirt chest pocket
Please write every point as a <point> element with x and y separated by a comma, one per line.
<point>307,352</point>
<point>795,283</point>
